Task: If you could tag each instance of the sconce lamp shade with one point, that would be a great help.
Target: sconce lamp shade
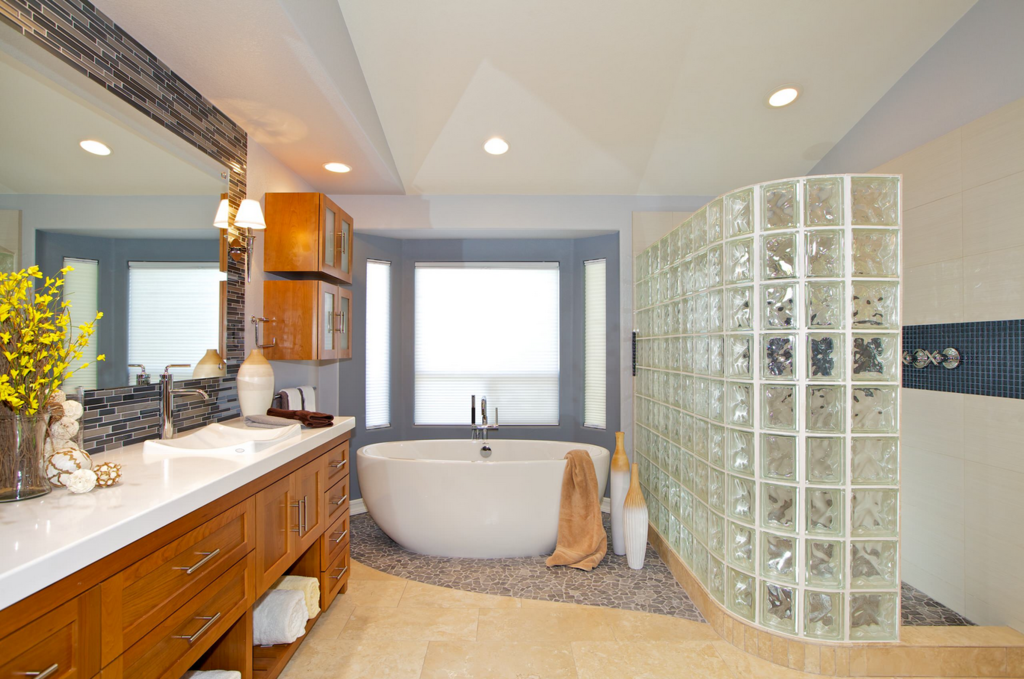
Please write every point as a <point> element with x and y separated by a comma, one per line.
<point>250,216</point>
<point>221,220</point>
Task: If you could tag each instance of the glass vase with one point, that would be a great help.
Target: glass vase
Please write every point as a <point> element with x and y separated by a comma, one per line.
<point>21,457</point>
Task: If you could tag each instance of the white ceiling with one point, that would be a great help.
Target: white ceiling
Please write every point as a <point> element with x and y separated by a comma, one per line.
<point>39,151</point>
<point>648,97</point>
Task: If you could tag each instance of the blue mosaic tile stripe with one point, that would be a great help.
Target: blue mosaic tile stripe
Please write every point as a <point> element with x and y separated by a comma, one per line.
<point>992,355</point>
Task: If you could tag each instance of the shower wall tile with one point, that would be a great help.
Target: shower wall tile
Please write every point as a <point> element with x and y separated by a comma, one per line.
<point>944,435</point>
<point>933,232</point>
<point>995,428</point>
<point>993,145</point>
<point>990,351</point>
<point>930,172</point>
<point>994,285</point>
<point>992,221</point>
<point>934,293</point>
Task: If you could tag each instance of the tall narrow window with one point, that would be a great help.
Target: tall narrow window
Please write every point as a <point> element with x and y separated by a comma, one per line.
<point>173,314</point>
<point>487,329</point>
<point>595,343</point>
<point>81,290</point>
<point>378,344</point>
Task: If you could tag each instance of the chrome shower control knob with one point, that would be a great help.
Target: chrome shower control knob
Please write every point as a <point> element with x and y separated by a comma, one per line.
<point>952,358</point>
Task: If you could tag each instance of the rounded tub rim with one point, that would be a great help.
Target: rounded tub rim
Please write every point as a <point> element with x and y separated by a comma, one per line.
<point>361,452</point>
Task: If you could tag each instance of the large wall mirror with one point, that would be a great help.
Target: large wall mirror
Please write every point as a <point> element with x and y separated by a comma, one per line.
<point>135,223</point>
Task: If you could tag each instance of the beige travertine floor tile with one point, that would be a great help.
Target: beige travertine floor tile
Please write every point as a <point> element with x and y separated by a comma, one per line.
<point>362,572</point>
<point>632,626</point>
<point>357,660</point>
<point>540,603</point>
<point>411,624</point>
<point>494,659</point>
<point>418,594</point>
<point>960,636</point>
<point>746,666</point>
<point>330,624</point>
<point>649,660</point>
<point>380,593</point>
<point>546,624</point>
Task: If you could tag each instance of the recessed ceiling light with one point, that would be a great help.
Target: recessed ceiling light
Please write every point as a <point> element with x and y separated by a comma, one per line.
<point>95,147</point>
<point>783,97</point>
<point>496,146</point>
<point>336,167</point>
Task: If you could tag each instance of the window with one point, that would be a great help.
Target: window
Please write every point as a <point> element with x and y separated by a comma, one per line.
<point>173,314</point>
<point>489,330</point>
<point>595,343</point>
<point>81,290</point>
<point>378,344</point>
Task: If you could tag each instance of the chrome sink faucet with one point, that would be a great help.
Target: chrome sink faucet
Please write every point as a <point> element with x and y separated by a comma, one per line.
<point>167,394</point>
<point>479,431</point>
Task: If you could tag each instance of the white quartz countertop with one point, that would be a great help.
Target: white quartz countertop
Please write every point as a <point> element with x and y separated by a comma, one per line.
<point>46,539</point>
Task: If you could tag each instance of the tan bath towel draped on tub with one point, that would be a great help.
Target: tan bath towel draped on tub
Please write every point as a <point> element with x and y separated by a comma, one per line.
<point>582,542</point>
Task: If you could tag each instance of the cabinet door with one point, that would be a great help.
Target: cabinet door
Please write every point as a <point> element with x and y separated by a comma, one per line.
<point>343,325</point>
<point>277,526</point>
<point>308,486</point>
<point>327,321</point>
<point>332,242</point>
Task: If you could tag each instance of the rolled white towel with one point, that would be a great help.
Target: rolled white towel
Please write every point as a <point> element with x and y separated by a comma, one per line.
<point>212,674</point>
<point>310,588</point>
<point>279,617</point>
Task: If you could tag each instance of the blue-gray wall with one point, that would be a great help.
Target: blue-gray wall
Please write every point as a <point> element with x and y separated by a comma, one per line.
<point>113,255</point>
<point>403,255</point>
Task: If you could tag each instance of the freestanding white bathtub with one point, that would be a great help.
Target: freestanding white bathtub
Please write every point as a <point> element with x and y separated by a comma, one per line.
<point>443,498</point>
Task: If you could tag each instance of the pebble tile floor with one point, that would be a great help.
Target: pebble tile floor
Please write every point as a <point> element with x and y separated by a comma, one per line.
<point>611,585</point>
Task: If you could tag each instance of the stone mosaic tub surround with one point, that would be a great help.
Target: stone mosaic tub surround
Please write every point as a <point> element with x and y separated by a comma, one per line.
<point>766,400</point>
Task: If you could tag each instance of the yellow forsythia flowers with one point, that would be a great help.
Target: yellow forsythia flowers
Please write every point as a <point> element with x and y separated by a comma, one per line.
<point>37,349</point>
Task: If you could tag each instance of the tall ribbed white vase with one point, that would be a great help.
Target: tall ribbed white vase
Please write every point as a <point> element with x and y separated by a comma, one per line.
<point>255,385</point>
<point>634,519</point>
<point>619,488</point>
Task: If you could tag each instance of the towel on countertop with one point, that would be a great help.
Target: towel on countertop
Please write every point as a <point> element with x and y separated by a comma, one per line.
<point>310,419</point>
<point>212,674</point>
<point>279,617</point>
<point>297,398</point>
<point>267,421</point>
<point>310,588</point>
<point>582,541</point>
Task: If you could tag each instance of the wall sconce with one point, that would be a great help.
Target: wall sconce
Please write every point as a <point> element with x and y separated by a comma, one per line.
<point>250,218</point>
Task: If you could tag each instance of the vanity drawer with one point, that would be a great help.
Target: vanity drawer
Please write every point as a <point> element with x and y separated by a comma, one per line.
<point>63,644</point>
<point>336,500</point>
<point>177,642</point>
<point>142,595</point>
<point>334,539</point>
<point>337,463</point>
<point>334,578</point>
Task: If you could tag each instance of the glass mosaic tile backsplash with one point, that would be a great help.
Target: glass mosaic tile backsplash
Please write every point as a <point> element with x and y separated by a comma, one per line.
<point>767,402</point>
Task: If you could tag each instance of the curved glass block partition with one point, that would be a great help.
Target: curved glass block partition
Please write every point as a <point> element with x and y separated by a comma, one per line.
<point>766,401</point>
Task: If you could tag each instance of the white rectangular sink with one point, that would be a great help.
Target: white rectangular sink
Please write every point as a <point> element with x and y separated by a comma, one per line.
<point>217,439</point>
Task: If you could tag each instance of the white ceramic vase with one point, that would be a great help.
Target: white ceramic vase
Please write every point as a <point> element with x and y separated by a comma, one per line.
<point>619,487</point>
<point>210,365</point>
<point>255,385</point>
<point>634,518</point>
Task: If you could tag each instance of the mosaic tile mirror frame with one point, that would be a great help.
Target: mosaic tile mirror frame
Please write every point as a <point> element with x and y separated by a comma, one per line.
<point>767,414</point>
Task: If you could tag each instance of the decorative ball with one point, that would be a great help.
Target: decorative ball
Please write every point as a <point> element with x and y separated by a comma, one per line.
<point>57,396</point>
<point>72,409</point>
<point>64,429</point>
<point>107,474</point>
<point>63,463</point>
<point>82,481</point>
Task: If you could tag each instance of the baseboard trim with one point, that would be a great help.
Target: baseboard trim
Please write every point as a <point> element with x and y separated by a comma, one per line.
<point>356,507</point>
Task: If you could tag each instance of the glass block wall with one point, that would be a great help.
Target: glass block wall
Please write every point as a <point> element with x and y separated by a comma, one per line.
<point>766,400</point>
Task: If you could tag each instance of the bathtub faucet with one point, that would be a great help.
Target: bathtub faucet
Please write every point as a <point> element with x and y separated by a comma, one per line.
<point>480,430</point>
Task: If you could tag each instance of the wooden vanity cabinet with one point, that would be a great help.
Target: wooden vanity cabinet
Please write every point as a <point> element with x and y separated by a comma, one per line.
<point>307,233</point>
<point>63,644</point>
<point>309,320</point>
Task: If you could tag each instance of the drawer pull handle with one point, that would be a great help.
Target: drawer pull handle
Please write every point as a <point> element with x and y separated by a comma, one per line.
<point>300,522</point>
<point>340,575</point>
<point>189,570</point>
<point>209,623</point>
<point>305,507</point>
<point>45,673</point>
<point>340,537</point>
<point>340,502</point>
<point>339,465</point>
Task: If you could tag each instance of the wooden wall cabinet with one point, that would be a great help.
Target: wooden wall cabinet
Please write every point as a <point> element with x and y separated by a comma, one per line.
<point>310,320</point>
<point>307,233</point>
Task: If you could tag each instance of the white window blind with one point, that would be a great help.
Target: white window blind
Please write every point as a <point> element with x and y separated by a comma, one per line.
<point>81,290</point>
<point>378,344</point>
<point>595,340</point>
<point>489,329</point>
<point>173,314</point>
